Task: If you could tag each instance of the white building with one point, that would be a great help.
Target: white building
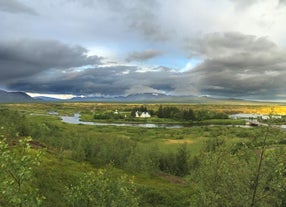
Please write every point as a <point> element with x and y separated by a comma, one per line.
<point>142,115</point>
<point>145,115</point>
<point>137,114</point>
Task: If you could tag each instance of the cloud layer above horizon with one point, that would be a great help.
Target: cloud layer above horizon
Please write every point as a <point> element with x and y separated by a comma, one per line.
<point>225,48</point>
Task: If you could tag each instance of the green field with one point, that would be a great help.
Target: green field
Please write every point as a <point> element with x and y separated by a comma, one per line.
<point>209,162</point>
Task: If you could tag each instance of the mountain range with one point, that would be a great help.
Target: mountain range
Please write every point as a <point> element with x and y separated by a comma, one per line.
<point>144,97</point>
<point>20,97</point>
<point>14,97</point>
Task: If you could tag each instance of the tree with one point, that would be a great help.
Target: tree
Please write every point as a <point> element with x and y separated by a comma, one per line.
<point>240,175</point>
<point>188,114</point>
<point>222,179</point>
<point>160,112</point>
<point>182,160</point>
<point>144,159</point>
<point>101,189</point>
<point>16,175</point>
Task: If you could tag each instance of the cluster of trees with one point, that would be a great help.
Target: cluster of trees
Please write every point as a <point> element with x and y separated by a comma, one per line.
<point>170,112</point>
<point>239,175</point>
<point>13,123</point>
<point>173,112</point>
<point>131,156</point>
<point>108,115</point>
<point>99,189</point>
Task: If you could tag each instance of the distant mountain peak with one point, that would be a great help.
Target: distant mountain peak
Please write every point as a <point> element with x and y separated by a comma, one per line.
<point>14,97</point>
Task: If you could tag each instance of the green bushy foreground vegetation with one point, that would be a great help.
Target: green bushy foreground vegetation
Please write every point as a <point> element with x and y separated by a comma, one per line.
<point>44,162</point>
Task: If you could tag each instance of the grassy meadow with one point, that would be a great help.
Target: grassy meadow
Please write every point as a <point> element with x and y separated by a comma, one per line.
<point>208,162</point>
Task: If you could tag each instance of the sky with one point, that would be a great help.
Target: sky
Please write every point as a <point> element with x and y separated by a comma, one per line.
<point>87,48</point>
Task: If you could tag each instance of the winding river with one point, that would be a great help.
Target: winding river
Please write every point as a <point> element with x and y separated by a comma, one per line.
<point>76,120</point>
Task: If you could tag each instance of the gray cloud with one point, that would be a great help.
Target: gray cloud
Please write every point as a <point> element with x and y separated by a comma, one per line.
<point>243,4</point>
<point>143,55</point>
<point>145,21</point>
<point>282,2</point>
<point>238,65</point>
<point>27,57</point>
<point>114,81</point>
<point>216,45</point>
<point>14,6</point>
<point>139,16</point>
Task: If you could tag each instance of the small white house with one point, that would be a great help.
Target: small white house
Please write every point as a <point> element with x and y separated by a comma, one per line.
<point>142,115</point>
<point>145,115</point>
<point>137,114</point>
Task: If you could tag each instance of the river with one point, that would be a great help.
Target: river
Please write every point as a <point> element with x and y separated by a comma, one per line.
<point>76,120</point>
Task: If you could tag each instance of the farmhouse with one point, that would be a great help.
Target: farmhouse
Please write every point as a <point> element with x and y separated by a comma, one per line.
<point>142,115</point>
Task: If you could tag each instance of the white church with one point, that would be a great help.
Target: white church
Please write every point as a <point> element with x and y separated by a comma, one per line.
<point>142,115</point>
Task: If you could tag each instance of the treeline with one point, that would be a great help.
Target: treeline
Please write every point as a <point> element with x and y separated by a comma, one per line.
<point>169,112</point>
<point>173,112</point>
<point>108,115</point>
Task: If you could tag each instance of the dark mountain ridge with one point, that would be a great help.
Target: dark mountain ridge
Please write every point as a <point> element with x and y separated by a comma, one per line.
<point>14,97</point>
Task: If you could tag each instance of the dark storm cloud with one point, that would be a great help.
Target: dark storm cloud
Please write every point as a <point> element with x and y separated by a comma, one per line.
<point>14,6</point>
<point>115,80</point>
<point>143,55</point>
<point>27,57</point>
<point>238,65</point>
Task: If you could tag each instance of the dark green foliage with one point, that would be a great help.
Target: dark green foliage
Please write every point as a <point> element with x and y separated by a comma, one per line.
<point>173,112</point>
<point>168,163</point>
<point>182,157</point>
<point>201,115</point>
<point>102,189</point>
<point>188,115</point>
<point>169,112</point>
<point>175,163</point>
<point>108,115</point>
<point>13,123</point>
<point>143,159</point>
